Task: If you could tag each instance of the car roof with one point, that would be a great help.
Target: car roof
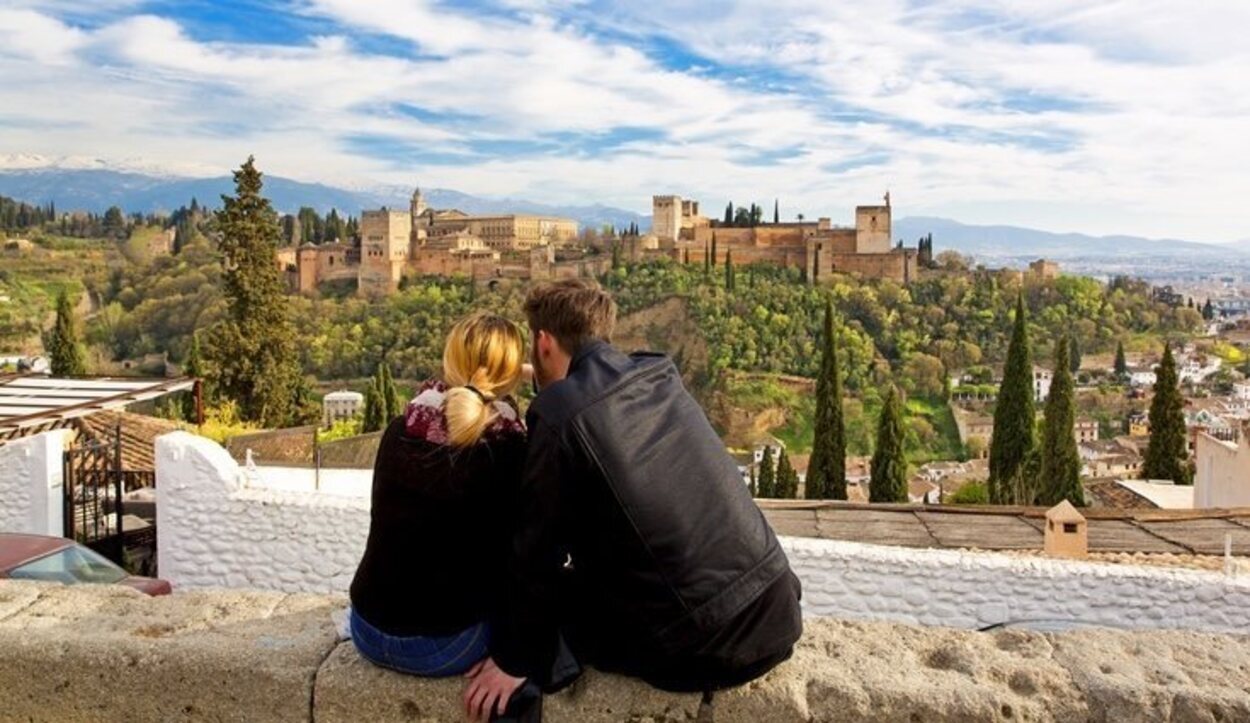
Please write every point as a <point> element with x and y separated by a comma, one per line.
<point>18,549</point>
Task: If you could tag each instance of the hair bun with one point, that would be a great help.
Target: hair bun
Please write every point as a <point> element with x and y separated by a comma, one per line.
<point>486,397</point>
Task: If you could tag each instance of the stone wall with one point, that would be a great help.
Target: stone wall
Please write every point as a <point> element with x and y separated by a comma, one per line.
<point>103,653</point>
<point>218,528</point>
<point>32,483</point>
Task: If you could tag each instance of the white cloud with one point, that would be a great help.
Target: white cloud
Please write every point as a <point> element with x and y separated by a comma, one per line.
<point>986,107</point>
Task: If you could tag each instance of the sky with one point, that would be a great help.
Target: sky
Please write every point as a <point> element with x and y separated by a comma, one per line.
<point>1063,115</point>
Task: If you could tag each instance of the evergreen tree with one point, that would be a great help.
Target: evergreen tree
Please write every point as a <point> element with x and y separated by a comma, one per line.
<point>392,402</point>
<point>1074,354</point>
<point>193,366</point>
<point>1060,461</point>
<point>1166,455</point>
<point>753,485</point>
<point>252,355</point>
<point>787,483</point>
<point>1121,363</point>
<point>768,475</point>
<point>707,262</point>
<point>1208,311</point>
<point>714,254</point>
<point>1014,416</point>
<point>730,281</point>
<point>375,408</point>
<point>826,473</point>
<point>64,352</point>
<point>776,211</point>
<point>729,214</point>
<point>888,482</point>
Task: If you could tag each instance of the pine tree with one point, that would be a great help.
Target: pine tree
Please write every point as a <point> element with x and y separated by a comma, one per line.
<point>1014,416</point>
<point>768,475</point>
<point>787,479</point>
<point>1208,311</point>
<point>251,354</point>
<point>1074,354</point>
<point>193,366</point>
<point>1060,461</point>
<point>1166,455</point>
<point>826,473</point>
<point>888,482</point>
<point>730,281</point>
<point>1121,363</point>
<point>65,353</point>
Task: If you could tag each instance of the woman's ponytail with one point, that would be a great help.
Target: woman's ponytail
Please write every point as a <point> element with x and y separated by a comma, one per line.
<point>481,362</point>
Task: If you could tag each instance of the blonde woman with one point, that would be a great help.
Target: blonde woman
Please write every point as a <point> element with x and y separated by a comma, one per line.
<point>444,479</point>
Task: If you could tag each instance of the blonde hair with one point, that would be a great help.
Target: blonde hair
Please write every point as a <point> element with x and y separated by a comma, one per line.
<point>481,363</point>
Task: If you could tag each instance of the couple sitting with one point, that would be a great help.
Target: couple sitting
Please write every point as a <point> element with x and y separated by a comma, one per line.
<point>620,534</point>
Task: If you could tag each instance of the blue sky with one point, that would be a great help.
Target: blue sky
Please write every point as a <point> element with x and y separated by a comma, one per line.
<point>1112,117</point>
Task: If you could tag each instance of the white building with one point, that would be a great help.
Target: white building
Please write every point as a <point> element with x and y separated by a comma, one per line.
<point>1222,477</point>
<point>1142,378</point>
<point>1041,384</point>
<point>1241,390</point>
<point>341,405</point>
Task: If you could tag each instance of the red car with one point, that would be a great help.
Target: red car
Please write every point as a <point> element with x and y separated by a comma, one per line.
<point>56,559</point>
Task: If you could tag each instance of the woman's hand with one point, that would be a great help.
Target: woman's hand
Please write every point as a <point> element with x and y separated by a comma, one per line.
<point>490,688</point>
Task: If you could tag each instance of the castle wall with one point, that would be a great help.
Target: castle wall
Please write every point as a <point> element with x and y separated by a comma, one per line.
<point>384,244</point>
<point>872,229</point>
<point>666,216</point>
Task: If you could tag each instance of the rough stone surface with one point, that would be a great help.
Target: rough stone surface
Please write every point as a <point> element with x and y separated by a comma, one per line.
<point>105,653</point>
<point>102,653</point>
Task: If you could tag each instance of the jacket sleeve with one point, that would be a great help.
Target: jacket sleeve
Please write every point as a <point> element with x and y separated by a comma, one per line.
<point>524,639</point>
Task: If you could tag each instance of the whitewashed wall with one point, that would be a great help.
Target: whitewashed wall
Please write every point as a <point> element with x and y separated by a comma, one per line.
<point>31,483</point>
<point>219,526</point>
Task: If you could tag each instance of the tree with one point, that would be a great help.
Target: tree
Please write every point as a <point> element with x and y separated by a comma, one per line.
<point>888,481</point>
<point>252,354</point>
<point>1014,416</point>
<point>114,222</point>
<point>375,408</point>
<point>714,255</point>
<point>392,402</point>
<point>776,211</point>
<point>1208,311</point>
<point>1074,354</point>
<point>65,353</point>
<point>1121,364</point>
<point>730,281</point>
<point>753,485</point>
<point>826,472</point>
<point>768,475</point>
<point>729,214</point>
<point>787,484</point>
<point>193,366</point>
<point>1060,461</point>
<point>1166,455</point>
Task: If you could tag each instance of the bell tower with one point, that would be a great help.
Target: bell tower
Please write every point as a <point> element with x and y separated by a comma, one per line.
<point>417,207</point>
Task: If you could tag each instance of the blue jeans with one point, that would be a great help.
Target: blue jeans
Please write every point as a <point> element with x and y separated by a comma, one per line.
<point>427,656</point>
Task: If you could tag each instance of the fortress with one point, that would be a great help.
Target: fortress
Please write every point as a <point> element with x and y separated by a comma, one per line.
<point>426,241</point>
<point>820,248</point>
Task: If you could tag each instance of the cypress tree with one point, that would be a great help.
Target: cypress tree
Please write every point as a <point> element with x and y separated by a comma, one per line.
<point>768,475</point>
<point>888,482</point>
<point>65,354</point>
<point>730,281</point>
<point>1060,461</point>
<point>1074,354</point>
<point>252,354</point>
<point>776,211</point>
<point>729,214</point>
<point>1014,415</point>
<point>787,484</point>
<point>375,408</point>
<point>714,255</point>
<point>1166,455</point>
<point>753,485</point>
<point>392,402</point>
<point>826,473</point>
<point>707,262</point>
<point>1121,364</point>
<point>192,367</point>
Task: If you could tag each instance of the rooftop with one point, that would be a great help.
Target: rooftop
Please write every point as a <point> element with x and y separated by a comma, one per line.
<point>31,403</point>
<point>1178,532</point>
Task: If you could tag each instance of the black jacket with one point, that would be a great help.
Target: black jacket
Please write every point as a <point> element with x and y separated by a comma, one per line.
<point>438,533</point>
<point>631,507</point>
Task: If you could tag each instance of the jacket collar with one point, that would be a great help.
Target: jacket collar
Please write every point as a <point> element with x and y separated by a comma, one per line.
<point>588,349</point>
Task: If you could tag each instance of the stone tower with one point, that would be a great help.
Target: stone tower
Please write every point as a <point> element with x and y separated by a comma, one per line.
<point>417,207</point>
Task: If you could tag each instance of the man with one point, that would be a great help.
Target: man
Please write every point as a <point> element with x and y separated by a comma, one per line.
<point>637,542</point>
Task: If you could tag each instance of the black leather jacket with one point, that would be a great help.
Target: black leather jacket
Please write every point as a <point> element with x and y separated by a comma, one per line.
<point>630,500</point>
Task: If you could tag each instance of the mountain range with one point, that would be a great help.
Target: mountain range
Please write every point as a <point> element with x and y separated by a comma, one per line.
<point>92,185</point>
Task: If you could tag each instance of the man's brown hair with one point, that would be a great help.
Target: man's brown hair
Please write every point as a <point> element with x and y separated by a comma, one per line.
<point>572,311</point>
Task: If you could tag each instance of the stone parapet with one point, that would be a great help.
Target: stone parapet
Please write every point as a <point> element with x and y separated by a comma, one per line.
<point>102,653</point>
